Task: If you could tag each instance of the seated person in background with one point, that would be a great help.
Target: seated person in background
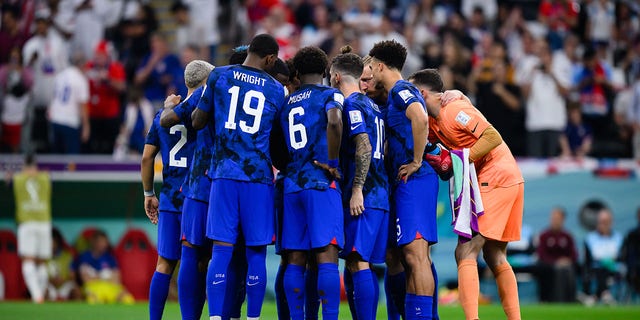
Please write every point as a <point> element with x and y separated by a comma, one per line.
<point>630,256</point>
<point>99,273</point>
<point>62,284</point>
<point>557,259</point>
<point>576,139</point>
<point>602,248</point>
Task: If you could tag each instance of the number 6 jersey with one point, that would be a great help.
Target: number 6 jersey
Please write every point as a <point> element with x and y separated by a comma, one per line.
<point>242,103</point>
<point>176,147</point>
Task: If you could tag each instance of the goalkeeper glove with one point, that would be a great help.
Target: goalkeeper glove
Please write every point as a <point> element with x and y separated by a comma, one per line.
<point>441,163</point>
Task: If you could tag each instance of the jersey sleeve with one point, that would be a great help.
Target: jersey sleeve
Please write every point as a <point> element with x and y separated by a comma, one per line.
<point>184,109</point>
<point>206,100</point>
<point>335,100</point>
<point>152,136</point>
<point>355,119</point>
<point>468,119</point>
<point>403,98</point>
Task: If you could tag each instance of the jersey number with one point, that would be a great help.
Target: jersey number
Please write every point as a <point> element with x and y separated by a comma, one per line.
<point>182,162</point>
<point>378,153</point>
<point>256,112</point>
<point>298,127</point>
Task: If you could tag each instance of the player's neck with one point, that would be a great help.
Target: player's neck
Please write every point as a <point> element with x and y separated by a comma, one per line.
<point>311,79</point>
<point>390,78</point>
<point>348,88</point>
<point>253,61</point>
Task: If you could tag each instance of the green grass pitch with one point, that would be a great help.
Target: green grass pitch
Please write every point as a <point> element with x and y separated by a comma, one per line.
<point>77,310</point>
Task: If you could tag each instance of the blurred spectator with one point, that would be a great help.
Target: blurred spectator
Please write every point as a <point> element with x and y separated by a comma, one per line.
<point>138,117</point>
<point>188,54</point>
<point>203,21</point>
<point>593,85</point>
<point>564,63</point>
<point>62,282</point>
<point>106,84</point>
<point>11,35</point>
<point>69,109</point>
<point>529,58</point>
<point>602,250</point>
<point>575,142</point>
<point>277,24</point>
<point>15,84</point>
<point>559,16</point>
<point>488,8</point>
<point>364,17</point>
<point>422,21</point>
<point>457,27</point>
<point>91,18</point>
<point>185,35</point>
<point>557,261</point>
<point>546,114</point>
<point>99,273</point>
<point>601,19</point>
<point>455,66</point>
<point>133,39</point>
<point>157,70</point>
<point>630,256</point>
<point>339,37</point>
<point>32,191</point>
<point>633,117</point>
<point>314,34</point>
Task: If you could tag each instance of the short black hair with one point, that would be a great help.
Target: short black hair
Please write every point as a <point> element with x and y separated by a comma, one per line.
<point>178,6</point>
<point>279,68</point>
<point>310,60</point>
<point>293,73</point>
<point>429,78</point>
<point>390,52</point>
<point>238,54</point>
<point>348,62</point>
<point>264,45</point>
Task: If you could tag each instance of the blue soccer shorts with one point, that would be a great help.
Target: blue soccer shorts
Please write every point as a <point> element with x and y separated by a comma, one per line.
<point>312,219</point>
<point>241,207</point>
<point>194,222</point>
<point>366,234</point>
<point>169,243</point>
<point>414,209</point>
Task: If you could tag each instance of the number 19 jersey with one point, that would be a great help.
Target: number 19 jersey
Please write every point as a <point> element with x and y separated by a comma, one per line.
<point>304,123</point>
<point>176,147</point>
<point>242,103</point>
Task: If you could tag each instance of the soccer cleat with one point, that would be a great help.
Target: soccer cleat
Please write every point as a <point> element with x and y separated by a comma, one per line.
<point>441,163</point>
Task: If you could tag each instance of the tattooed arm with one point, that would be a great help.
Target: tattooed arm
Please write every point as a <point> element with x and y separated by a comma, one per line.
<point>363,161</point>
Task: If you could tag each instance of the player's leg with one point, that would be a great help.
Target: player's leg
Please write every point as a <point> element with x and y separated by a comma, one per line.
<point>281,298</point>
<point>495,254</point>
<point>295,243</point>
<point>311,298</point>
<point>294,283</point>
<point>468,281</point>
<point>43,254</point>
<point>236,277</point>
<point>434,310</point>
<point>394,280</point>
<point>348,288</point>
<point>27,249</point>
<point>420,282</point>
<point>169,250</point>
<point>328,281</point>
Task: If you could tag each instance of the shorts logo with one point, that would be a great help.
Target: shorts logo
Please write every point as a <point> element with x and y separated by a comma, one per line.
<point>405,95</point>
<point>463,118</point>
<point>398,230</point>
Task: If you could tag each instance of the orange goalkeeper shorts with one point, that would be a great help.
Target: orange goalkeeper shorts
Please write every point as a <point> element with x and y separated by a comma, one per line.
<point>502,218</point>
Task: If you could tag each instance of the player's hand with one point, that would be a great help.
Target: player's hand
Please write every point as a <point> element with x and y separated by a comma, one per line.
<point>151,208</point>
<point>406,170</point>
<point>440,163</point>
<point>451,96</point>
<point>85,134</point>
<point>172,101</point>
<point>333,173</point>
<point>356,204</point>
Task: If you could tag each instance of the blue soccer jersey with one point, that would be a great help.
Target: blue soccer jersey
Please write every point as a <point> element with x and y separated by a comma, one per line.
<point>242,103</point>
<point>362,115</point>
<point>197,184</point>
<point>176,147</point>
<point>400,136</point>
<point>304,123</point>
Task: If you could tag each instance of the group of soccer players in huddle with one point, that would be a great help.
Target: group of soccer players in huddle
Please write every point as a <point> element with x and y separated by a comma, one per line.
<point>355,178</point>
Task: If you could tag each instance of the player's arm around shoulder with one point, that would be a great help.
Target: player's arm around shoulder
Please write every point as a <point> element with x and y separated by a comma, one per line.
<point>168,117</point>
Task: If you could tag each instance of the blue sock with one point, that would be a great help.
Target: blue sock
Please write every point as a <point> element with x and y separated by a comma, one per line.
<point>311,298</point>
<point>294,290</point>
<point>256,279</point>
<point>281,298</point>
<point>392,311</point>
<point>189,284</point>
<point>217,278</point>
<point>434,308</point>
<point>158,292</point>
<point>329,290</point>
<point>397,291</point>
<point>376,292</point>
<point>363,288</point>
<point>418,307</point>
<point>236,275</point>
<point>348,288</point>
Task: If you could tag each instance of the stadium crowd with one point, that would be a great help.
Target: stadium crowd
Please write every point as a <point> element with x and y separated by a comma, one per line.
<point>555,77</point>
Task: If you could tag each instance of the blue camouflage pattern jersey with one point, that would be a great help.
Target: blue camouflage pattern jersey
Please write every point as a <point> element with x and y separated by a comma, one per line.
<point>400,134</point>
<point>304,123</point>
<point>176,147</point>
<point>197,184</point>
<point>362,115</point>
<point>242,103</point>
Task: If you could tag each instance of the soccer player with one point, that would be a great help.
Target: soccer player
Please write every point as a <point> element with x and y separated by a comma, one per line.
<point>460,125</point>
<point>196,188</point>
<point>176,145</point>
<point>365,184</point>
<point>241,102</point>
<point>414,183</point>
<point>312,124</point>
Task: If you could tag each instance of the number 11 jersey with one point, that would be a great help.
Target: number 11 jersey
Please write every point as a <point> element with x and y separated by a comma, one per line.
<point>242,103</point>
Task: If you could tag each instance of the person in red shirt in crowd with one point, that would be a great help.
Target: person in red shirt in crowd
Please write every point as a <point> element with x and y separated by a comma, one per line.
<point>107,82</point>
<point>11,36</point>
<point>560,16</point>
<point>557,258</point>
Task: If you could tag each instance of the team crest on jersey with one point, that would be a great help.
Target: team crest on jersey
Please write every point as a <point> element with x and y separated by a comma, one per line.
<point>405,95</point>
<point>355,116</point>
<point>338,97</point>
<point>463,118</point>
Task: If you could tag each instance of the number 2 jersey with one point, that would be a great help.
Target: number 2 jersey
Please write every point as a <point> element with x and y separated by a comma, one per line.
<point>197,184</point>
<point>362,115</point>
<point>304,123</point>
<point>176,147</point>
<point>242,103</point>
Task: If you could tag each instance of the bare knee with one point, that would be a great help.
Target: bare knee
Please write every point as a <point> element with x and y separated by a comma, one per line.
<point>494,253</point>
<point>298,258</point>
<point>470,249</point>
<point>165,266</point>
<point>328,254</point>
<point>416,255</point>
<point>354,263</point>
<point>393,260</point>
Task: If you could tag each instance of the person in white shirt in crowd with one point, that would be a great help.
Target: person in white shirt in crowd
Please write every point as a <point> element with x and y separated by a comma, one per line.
<point>91,17</point>
<point>203,18</point>
<point>69,110</point>
<point>15,84</point>
<point>546,114</point>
